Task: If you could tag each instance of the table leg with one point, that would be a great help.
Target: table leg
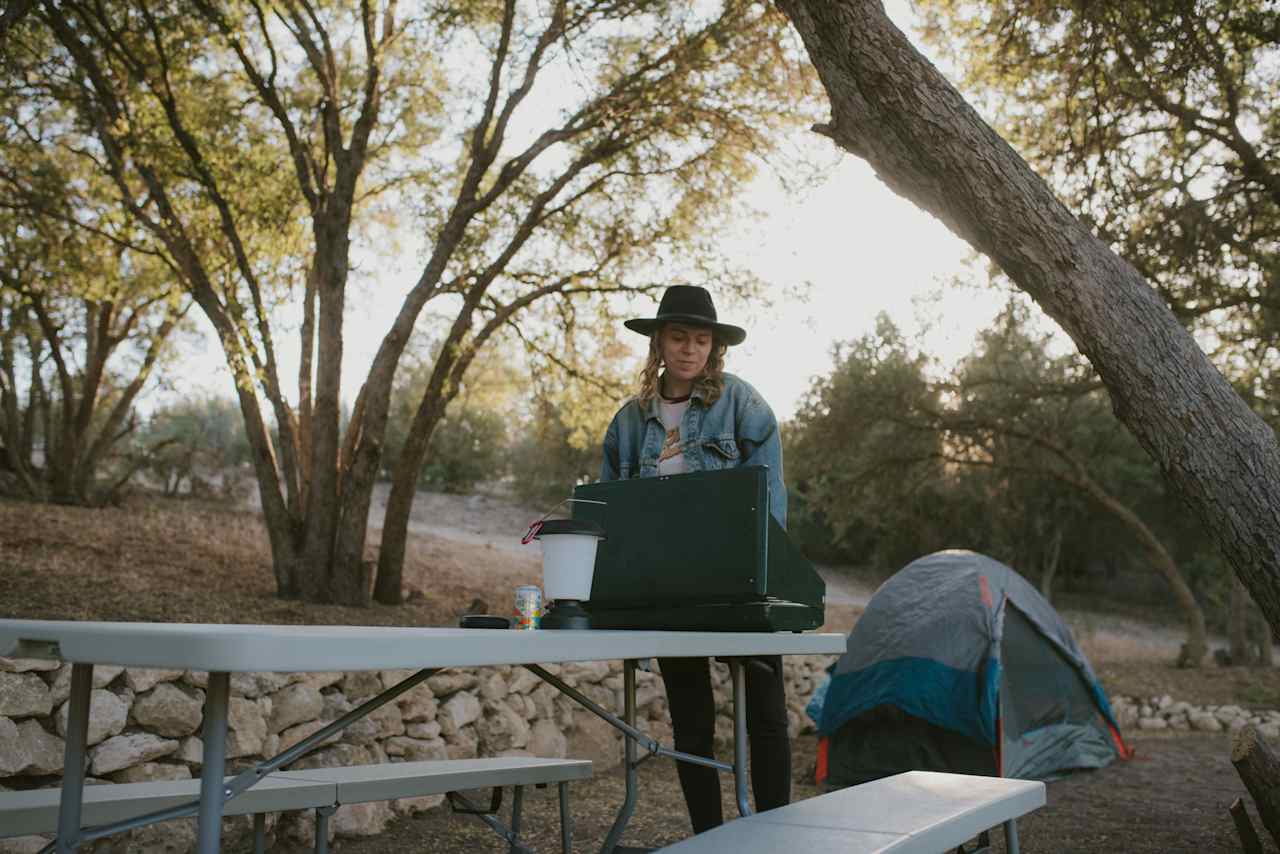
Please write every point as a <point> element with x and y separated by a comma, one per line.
<point>1011,836</point>
<point>629,757</point>
<point>214,734</point>
<point>73,758</point>
<point>738,672</point>
<point>566,827</point>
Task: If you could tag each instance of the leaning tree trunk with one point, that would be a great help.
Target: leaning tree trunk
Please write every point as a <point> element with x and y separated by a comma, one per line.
<point>1196,645</point>
<point>388,587</point>
<point>892,108</point>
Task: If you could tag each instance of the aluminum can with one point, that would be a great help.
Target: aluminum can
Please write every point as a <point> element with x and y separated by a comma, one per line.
<point>528,611</point>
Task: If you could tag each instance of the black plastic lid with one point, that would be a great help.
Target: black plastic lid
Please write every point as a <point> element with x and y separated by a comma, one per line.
<point>570,526</point>
<point>484,621</point>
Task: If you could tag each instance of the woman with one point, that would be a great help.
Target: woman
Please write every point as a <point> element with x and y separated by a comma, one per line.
<point>691,416</point>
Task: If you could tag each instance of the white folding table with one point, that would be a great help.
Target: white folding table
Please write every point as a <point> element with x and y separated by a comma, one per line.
<point>225,649</point>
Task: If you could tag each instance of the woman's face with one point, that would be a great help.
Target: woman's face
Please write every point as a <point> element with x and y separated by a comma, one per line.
<point>685,350</point>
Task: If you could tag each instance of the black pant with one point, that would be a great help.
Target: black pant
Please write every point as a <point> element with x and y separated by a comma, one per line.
<point>693,720</point>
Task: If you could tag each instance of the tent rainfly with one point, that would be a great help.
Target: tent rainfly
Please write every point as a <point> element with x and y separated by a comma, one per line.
<point>959,664</point>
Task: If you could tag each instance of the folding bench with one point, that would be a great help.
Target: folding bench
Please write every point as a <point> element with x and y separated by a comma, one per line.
<point>321,789</point>
<point>918,812</point>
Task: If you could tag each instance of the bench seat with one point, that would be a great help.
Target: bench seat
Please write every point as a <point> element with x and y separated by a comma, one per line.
<point>361,783</point>
<point>36,811</point>
<point>918,812</point>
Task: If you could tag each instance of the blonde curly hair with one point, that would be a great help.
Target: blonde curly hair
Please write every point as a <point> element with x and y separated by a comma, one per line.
<point>709,385</point>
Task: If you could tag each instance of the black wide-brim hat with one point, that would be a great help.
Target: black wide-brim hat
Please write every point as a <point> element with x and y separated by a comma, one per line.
<point>688,304</point>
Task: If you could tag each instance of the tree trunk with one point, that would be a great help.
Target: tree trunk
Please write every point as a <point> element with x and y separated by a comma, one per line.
<point>446,379</point>
<point>892,108</point>
<point>1238,624</point>
<point>1259,768</point>
<point>324,578</point>
<point>1249,841</point>
<point>1197,644</point>
<point>404,487</point>
<point>1050,565</point>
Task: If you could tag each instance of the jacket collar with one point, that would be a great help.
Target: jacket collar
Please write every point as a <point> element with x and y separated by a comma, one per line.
<point>655,406</point>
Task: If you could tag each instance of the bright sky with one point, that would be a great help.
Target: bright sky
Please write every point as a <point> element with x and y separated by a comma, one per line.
<point>863,250</point>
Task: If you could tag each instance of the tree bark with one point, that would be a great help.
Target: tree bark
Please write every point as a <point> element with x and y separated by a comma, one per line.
<point>1197,644</point>
<point>895,110</point>
<point>1249,841</point>
<point>1050,564</point>
<point>404,487</point>
<point>323,579</point>
<point>1259,769</point>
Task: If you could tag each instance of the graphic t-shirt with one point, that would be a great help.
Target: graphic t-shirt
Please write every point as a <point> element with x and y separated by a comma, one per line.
<point>671,458</point>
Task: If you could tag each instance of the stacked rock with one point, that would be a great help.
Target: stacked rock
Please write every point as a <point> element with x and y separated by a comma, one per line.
<point>1165,713</point>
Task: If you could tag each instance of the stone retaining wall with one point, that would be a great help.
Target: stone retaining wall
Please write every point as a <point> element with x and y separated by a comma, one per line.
<point>145,724</point>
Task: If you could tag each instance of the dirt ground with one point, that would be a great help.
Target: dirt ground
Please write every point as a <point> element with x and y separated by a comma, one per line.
<point>1172,797</point>
<point>182,561</point>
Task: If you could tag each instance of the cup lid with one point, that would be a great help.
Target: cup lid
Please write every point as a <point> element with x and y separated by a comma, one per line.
<point>570,526</point>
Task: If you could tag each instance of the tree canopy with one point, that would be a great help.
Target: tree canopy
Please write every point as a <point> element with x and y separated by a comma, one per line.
<point>1013,453</point>
<point>892,107</point>
<point>560,152</point>
<point>1157,123</point>
<point>88,312</point>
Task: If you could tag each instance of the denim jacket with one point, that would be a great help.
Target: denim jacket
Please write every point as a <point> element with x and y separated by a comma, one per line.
<point>739,429</point>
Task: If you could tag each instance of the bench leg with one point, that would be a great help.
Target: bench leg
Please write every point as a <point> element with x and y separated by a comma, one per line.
<point>259,833</point>
<point>461,805</point>
<point>566,829</point>
<point>517,807</point>
<point>322,828</point>
<point>73,758</point>
<point>1011,836</point>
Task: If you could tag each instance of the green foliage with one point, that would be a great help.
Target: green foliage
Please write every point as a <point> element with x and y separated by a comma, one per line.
<point>208,424</point>
<point>466,449</point>
<point>890,461</point>
<point>859,469</point>
<point>1157,121</point>
<point>88,311</point>
<point>545,464</point>
<point>193,441</point>
<point>469,446</point>
<point>532,419</point>
<point>574,386</point>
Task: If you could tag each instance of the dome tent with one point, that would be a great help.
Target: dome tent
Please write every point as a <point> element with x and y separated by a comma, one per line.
<point>959,664</point>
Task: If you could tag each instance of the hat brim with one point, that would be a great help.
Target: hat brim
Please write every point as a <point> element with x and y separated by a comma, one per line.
<point>727,332</point>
